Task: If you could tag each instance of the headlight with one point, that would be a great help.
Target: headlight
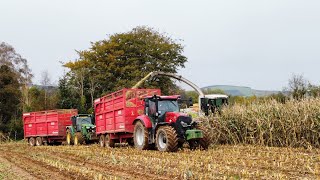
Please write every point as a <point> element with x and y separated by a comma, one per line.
<point>184,124</point>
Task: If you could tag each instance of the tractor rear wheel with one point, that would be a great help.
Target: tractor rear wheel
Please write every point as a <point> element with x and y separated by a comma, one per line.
<point>69,137</point>
<point>141,136</point>
<point>102,140</point>
<point>109,142</point>
<point>206,140</point>
<point>78,139</point>
<point>32,141</point>
<point>166,139</point>
<point>39,141</point>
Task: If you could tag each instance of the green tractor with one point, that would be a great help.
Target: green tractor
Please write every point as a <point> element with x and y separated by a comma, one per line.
<point>82,130</point>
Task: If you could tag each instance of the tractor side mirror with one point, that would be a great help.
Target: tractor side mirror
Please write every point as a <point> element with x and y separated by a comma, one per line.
<point>147,103</point>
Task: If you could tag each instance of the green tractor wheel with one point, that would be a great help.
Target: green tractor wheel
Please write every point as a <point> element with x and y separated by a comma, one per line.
<point>69,137</point>
<point>78,139</point>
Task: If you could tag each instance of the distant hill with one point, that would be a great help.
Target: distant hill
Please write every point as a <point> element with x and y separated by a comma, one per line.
<point>240,90</point>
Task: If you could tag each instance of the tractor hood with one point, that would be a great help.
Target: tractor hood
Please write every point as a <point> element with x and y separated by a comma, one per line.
<point>172,117</point>
<point>89,125</point>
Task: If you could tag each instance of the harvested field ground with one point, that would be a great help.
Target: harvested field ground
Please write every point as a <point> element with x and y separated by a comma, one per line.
<point>20,161</point>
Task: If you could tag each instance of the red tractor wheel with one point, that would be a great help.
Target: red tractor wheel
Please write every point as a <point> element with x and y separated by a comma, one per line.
<point>102,140</point>
<point>32,141</point>
<point>166,139</point>
<point>39,141</point>
<point>109,142</point>
<point>140,136</point>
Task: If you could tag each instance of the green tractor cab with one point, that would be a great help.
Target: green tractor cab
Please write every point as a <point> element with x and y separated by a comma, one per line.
<point>82,130</point>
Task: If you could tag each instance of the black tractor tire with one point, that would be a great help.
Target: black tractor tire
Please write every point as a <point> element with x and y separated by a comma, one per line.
<point>130,142</point>
<point>78,139</point>
<point>32,141</point>
<point>39,141</point>
<point>194,144</point>
<point>109,142</point>
<point>140,136</point>
<point>166,139</point>
<point>102,140</point>
<point>69,137</point>
<point>206,140</point>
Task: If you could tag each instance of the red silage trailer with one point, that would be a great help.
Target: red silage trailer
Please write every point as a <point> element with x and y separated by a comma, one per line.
<point>115,114</point>
<point>47,126</point>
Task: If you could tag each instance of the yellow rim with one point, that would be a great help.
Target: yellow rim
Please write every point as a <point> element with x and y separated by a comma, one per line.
<point>68,138</point>
<point>75,140</point>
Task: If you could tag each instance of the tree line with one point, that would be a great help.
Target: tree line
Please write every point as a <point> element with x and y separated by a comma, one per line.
<point>118,61</point>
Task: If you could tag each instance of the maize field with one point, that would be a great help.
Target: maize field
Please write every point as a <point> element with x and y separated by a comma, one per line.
<point>269,123</point>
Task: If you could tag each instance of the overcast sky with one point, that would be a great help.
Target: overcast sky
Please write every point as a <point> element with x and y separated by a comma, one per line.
<point>256,43</point>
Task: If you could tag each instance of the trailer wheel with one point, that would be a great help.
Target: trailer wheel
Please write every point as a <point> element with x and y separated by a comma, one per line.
<point>78,139</point>
<point>109,142</point>
<point>39,141</point>
<point>102,140</point>
<point>130,142</point>
<point>140,136</point>
<point>166,139</point>
<point>69,137</point>
<point>32,141</point>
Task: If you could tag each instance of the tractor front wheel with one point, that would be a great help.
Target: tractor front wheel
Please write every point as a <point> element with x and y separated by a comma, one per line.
<point>32,141</point>
<point>166,139</point>
<point>140,136</point>
<point>69,137</point>
<point>78,139</point>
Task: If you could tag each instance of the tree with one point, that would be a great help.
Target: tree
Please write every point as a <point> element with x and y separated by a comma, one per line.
<point>18,65</point>
<point>45,82</point>
<point>9,95</point>
<point>298,86</point>
<point>67,97</point>
<point>123,59</point>
<point>314,91</point>
<point>15,76</point>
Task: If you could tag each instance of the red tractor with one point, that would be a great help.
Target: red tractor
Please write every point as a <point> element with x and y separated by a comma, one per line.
<point>144,118</point>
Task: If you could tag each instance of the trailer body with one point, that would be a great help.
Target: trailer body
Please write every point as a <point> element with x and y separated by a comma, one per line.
<point>116,112</point>
<point>47,126</point>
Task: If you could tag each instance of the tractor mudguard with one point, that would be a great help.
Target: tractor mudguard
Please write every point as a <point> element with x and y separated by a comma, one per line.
<point>161,124</point>
<point>72,130</point>
<point>145,120</point>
